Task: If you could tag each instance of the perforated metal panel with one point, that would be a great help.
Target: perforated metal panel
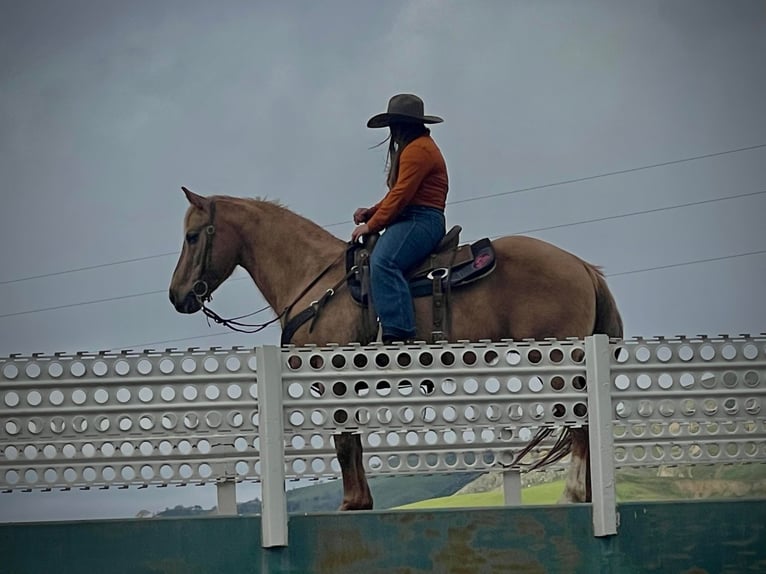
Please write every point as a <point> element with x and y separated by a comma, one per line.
<point>689,400</point>
<point>428,408</point>
<point>90,420</point>
<point>128,418</point>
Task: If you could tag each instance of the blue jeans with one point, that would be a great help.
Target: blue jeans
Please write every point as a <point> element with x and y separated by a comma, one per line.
<point>404,244</point>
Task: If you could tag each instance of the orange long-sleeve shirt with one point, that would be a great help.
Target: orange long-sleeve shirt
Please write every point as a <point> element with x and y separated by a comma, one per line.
<point>422,180</point>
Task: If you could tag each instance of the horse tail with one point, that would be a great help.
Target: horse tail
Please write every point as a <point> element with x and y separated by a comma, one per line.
<point>608,319</point>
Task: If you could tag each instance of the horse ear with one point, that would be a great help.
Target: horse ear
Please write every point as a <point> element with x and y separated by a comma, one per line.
<point>195,199</point>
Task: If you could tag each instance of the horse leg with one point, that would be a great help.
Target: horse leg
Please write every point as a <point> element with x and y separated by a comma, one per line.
<point>356,492</point>
<point>577,488</point>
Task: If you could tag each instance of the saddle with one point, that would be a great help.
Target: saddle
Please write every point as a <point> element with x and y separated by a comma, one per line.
<point>450,266</point>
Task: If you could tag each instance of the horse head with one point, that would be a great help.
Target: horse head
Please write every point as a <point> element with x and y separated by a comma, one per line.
<point>208,255</point>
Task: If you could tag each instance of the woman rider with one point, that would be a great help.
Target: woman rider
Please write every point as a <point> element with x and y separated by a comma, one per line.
<point>411,213</point>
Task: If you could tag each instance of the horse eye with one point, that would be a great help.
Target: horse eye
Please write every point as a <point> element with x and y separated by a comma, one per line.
<point>191,237</point>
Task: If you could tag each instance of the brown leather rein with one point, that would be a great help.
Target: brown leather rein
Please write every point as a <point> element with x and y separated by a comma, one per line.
<point>201,291</point>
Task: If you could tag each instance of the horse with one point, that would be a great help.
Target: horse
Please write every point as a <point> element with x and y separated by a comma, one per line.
<point>536,291</point>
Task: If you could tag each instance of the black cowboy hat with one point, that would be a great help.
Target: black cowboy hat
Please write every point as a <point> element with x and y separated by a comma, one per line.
<point>403,108</point>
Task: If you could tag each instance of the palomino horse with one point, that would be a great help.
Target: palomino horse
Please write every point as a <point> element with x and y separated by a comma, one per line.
<point>537,291</point>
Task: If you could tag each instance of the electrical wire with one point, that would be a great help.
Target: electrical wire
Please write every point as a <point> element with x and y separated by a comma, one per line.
<point>456,202</point>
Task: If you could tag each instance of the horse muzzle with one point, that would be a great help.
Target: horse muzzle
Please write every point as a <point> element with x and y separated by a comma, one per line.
<point>188,305</point>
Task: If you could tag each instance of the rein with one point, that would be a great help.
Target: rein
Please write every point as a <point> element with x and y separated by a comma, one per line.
<point>201,290</point>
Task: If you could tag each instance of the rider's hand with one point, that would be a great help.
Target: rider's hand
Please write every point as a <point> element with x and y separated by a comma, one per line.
<point>361,215</point>
<point>359,231</point>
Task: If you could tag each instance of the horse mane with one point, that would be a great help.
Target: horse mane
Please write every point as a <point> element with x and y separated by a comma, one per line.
<point>274,207</point>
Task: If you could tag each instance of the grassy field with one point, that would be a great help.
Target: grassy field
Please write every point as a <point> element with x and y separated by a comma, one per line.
<point>722,481</point>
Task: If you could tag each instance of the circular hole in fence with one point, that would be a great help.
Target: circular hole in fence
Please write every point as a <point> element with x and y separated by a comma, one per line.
<point>317,389</point>
<point>384,415</point>
<point>58,424</point>
<point>469,358</point>
<point>10,371</point>
<point>382,360</point>
<point>729,352</point>
<point>578,355</point>
<point>515,412</point>
<point>667,408</point>
<point>32,370</point>
<point>360,360</point>
<point>55,370</point>
<point>685,353</point>
<point>557,383</point>
<point>79,397</point>
<point>234,392</point>
<point>426,359</point>
<point>167,366</point>
<point>427,387</point>
<point>145,395</point>
<point>643,381</point>
<point>339,389</point>
<point>664,354</point>
<point>34,398</point>
<point>210,364</point>
<point>362,416</point>
<point>318,417</point>
<point>449,414</point>
<point>232,364</point>
<point>144,367</point>
<point>191,420</point>
<point>534,356</point>
<point>77,369</point>
<point>450,437</point>
<point>123,395</point>
<point>383,388</point>
<point>35,425</point>
<point>316,362</point>
<point>146,448</point>
<point>559,410</point>
<point>752,406</point>
<point>731,406</point>
<point>729,379</point>
<point>190,393</point>
<point>168,394</point>
<point>750,351</point>
<point>512,357</point>
<point>536,411</point>
<point>294,362</point>
<point>392,439</point>
<point>493,412</point>
<point>188,365</point>
<point>535,384</point>
<point>340,416</point>
<point>491,357</point>
<point>751,378</point>
<point>169,421</point>
<point>449,386</point>
<point>665,381</point>
<point>642,354</point>
<point>338,361</point>
<point>621,354</point>
<point>470,413</point>
<point>121,367</point>
<point>295,390</point>
<point>514,384</point>
<point>128,473</point>
<point>235,419</point>
<point>645,408</point>
<point>80,423</point>
<point>403,360</point>
<point>555,355</point>
<point>471,386</point>
<point>11,399</point>
<point>686,380</point>
<point>406,415</point>
<point>428,414</point>
<point>405,388</point>
<point>124,423</point>
<point>707,352</point>
<point>492,385</point>
<point>213,419</point>
<point>212,392</point>
<point>447,358</point>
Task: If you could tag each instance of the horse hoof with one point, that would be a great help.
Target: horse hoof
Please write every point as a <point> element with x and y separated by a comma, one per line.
<point>355,505</point>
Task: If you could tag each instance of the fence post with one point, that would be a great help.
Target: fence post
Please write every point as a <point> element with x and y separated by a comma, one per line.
<point>226,494</point>
<point>271,424</point>
<point>512,487</point>
<point>601,432</point>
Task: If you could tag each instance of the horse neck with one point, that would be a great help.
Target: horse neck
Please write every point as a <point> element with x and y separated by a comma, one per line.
<point>282,251</point>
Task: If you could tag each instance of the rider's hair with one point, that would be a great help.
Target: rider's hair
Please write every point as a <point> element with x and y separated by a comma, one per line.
<point>402,133</point>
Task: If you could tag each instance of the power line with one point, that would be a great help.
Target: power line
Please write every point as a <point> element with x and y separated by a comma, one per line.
<point>620,273</point>
<point>695,262</point>
<point>634,213</point>
<point>118,298</point>
<point>606,174</point>
<point>89,267</point>
<point>456,202</point>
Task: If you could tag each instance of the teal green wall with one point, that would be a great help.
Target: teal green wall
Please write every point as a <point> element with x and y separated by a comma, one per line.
<point>725,537</point>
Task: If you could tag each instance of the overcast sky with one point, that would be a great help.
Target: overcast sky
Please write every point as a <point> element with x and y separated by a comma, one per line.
<point>107,108</point>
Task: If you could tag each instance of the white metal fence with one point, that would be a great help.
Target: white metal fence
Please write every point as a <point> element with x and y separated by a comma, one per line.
<point>222,415</point>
